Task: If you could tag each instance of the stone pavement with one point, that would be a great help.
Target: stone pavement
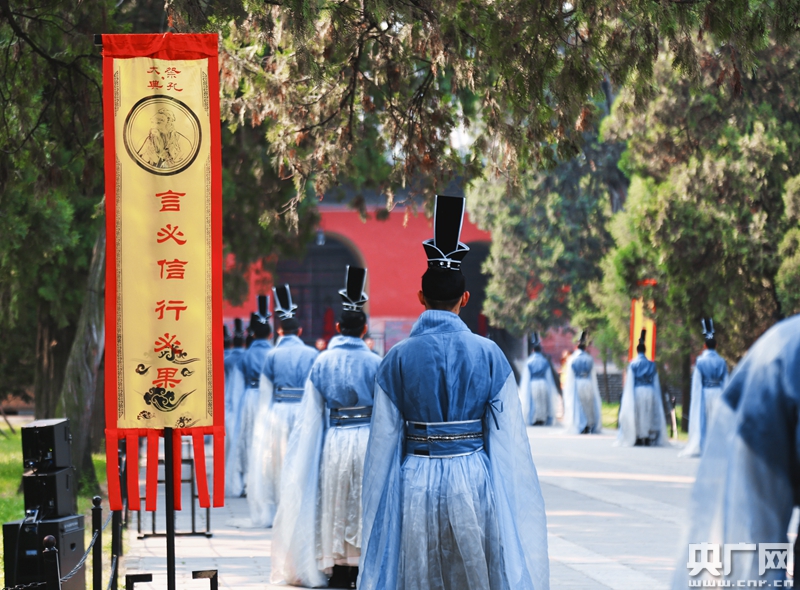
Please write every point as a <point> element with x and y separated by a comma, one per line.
<point>615,520</point>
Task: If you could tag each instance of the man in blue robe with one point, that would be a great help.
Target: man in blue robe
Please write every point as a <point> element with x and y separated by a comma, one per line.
<point>317,530</point>
<point>708,380</point>
<point>451,496</point>
<point>537,390</point>
<point>641,413</point>
<point>252,364</point>
<point>747,481</point>
<point>284,375</point>
<point>234,390</point>
<point>582,404</point>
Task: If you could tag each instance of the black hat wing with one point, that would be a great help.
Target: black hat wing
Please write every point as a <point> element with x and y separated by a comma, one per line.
<point>642,336</point>
<point>238,327</point>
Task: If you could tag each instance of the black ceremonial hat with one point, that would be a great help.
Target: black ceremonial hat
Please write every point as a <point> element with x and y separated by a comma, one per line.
<point>238,328</point>
<point>708,328</point>
<point>445,250</point>
<point>263,314</point>
<point>226,336</point>
<point>642,336</point>
<point>284,308</point>
<point>584,338</point>
<point>535,340</point>
<point>353,295</point>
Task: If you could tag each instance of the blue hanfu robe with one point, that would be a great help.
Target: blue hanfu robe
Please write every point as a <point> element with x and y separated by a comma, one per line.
<point>641,410</point>
<point>708,381</point>
<point>582,404</point>
<point>451,495</point>
<point>747,482</point>
<point>538,392</point>
<point>284,375</point>
<point>252,362</point>
<point>318,523</point>
<point>234,391</point>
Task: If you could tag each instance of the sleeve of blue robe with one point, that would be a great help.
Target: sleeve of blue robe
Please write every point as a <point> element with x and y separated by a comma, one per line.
<point>294,532</point>
<point>744,491</point>
<point>525,398</point>
<point>256,476</point>
<point>520,506</point>
<point>659,417</point>
<point>574,418</point>
<point>380,497</point>
<point>234,390</point>
<point>553,396</point>
<point>696,417</point>
<point>626,435</point>
<point>598,404</point>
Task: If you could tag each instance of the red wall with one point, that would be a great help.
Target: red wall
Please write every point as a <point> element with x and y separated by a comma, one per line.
<point>393,254</point>
<point>390,249</point>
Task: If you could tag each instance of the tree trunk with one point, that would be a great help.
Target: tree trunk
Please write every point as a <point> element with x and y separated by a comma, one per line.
<point>52,352</point>
<point>98,435</point>
<point>686,386</point>
<point>80,379</point>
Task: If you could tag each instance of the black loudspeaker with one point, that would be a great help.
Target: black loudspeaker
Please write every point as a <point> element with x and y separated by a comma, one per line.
<point>23,542</point>
<point>52,493</point>
<point>46,445</point>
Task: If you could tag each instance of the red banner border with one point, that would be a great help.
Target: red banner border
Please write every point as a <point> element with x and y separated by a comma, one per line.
<point>173,47</point>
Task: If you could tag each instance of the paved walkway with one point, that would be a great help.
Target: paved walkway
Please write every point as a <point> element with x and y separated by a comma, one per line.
<point>615,518</point>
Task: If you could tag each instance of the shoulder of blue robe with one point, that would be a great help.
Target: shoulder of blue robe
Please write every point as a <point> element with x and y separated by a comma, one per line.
<point>288,364</point>
<point>442,354</point>
<point>294,531</point>
<point>712,365</point>
<point>520,505</point>
<point>345,373</point>
<point>746,484</point>
<point>254,358</point>
<point>538,364</point>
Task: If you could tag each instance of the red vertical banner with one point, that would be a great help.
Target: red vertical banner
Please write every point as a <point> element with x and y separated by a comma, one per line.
<point>163,185</point>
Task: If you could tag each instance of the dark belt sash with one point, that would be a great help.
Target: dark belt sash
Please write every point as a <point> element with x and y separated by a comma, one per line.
<point>582,375</point>
<point>642,381</point>
<point>710,383</point>
<point>349,417</point>
<point>444,439</point>
<point>252,385</point>
<point>288,394</point>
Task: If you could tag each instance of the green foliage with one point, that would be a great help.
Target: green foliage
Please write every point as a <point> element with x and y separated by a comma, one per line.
<point>520,76</point>
<point>12,505</point>
<point>788,278</point>
<point>548,242</point>
<point>50,175</point>
<point>707,207</point>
